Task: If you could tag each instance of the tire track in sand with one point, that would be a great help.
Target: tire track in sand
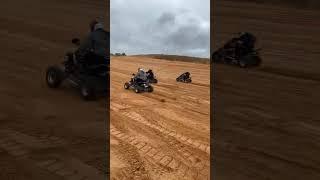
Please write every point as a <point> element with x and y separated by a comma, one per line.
<point>21,145</point>
<point>192,170</point>
<point>181,138</point>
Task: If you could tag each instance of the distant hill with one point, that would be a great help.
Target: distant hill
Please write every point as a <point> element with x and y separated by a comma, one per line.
<point>177,58</point>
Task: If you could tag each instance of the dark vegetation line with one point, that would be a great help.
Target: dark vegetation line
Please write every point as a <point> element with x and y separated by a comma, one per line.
<point>177,58</point>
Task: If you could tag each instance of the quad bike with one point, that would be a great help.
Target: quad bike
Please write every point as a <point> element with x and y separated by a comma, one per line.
<point>185,78</point>
<point>138,86</point>
<point>90,80</point>
<point>151,77</point>
<point>239,51</point>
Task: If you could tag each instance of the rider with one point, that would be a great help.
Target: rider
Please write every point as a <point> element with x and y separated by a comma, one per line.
<point>150,74</point>
<point>95,48</point>
<point>241,44</point>
<point>184,76</point>
<point>247,39</point>
<point>141,76</point>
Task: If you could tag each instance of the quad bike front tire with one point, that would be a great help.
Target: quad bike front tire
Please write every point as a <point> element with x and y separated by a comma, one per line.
<point>126,85</point>
<point>187,80</point>
<point>54,76</point>
<point>257,61</point>
<point>250,60</point>
<point>150,89</point>
<point>136,90</point>
<point>87,93</point>
<point>243,64</point>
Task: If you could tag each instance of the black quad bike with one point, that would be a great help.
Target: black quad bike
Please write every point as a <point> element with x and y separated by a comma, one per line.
<point>239,51</point>
<point>151,78</point>
<point>185,78</point>
<point>91,80</point>
<point>138,85</point>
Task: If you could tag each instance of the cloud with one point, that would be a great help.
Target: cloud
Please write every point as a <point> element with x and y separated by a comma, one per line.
<point>166,18</point>
<point>168,27</point>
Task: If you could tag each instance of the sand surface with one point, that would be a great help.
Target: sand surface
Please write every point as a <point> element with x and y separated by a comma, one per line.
<point>45,133</point>
<point>267,119</point>
<point>164,134</point>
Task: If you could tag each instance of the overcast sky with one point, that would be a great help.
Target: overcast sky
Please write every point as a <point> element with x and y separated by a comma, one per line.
<point>180,27</point>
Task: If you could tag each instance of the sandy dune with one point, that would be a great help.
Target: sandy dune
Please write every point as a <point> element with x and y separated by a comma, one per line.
<point>163,134</point>
<point>267,119</point>
<point>46,134</point>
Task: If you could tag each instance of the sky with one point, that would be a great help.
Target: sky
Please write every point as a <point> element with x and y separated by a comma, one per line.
<point>180,27</point>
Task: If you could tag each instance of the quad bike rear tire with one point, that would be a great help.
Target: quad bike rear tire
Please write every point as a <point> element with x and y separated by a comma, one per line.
<point>257,60</point>
<point>54,76</point>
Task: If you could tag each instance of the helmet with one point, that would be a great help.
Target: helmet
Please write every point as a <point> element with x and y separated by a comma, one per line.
<point>242,33</point>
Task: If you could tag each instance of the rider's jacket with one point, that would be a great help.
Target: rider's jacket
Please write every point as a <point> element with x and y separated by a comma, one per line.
<point>97,42</point>
<point>141,75</point>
